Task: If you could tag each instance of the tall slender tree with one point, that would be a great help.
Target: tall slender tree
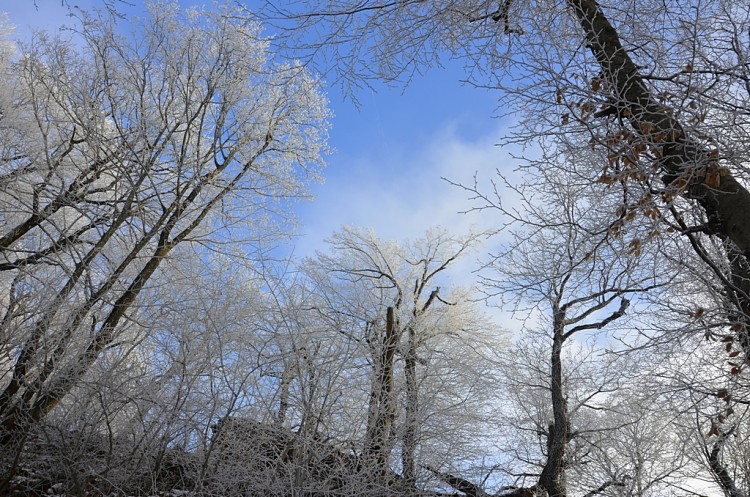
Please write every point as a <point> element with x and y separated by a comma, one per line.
<point>116,150</point>
<point>401,310</point>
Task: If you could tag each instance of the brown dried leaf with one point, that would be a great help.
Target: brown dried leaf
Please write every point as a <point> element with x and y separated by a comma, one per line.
<point>713,178</point>
<point>646,128</point>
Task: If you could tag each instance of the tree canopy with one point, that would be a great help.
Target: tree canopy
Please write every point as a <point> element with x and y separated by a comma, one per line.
<point>142,334</point>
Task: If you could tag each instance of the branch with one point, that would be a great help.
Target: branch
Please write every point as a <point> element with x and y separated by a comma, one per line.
<point>517,491</point>
<point>603,487</point>
<point>726,203</point>
<point>723,478</point>
<point>624,303</point>
<point>458,483</point>
<point>501,14</point>
<point>432,296</point>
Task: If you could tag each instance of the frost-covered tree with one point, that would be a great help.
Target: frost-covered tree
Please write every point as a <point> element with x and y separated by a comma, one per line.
<point>427,350</point>
<point>645,102</point>
<point>118,148</point>
<point>573,276</point>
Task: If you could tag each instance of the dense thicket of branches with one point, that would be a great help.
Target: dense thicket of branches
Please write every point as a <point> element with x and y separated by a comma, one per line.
<point>145,348</point>
<point>116,151</point>
<point>639,111</point>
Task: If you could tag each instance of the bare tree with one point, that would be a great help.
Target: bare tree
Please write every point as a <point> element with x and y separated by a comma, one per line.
<point>645,98</point>
<point>116,153</point>
<point>391,296</point>
<point>657,92</point>
<point>568,269</point>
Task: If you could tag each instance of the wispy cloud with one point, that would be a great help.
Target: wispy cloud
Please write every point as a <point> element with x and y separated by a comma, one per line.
<point>400,192</point>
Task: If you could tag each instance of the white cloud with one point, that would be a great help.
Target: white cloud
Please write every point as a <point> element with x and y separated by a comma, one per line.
<point>399,193</point>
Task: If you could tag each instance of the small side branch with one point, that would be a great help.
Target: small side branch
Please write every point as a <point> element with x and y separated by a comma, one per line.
<point>502,15</point>
<point>624,304</point>
<point>603,487</point>
<point>460,484</point>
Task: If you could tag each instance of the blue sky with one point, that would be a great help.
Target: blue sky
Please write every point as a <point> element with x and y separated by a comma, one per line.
<point>390,153</point>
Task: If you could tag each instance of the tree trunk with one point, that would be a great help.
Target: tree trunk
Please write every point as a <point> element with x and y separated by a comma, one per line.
<point>726,204</point>
<point>286,380</point>
<point>409,444</point>
<point>552,478</point>
<point>24,415</point>
<point>382,401</point>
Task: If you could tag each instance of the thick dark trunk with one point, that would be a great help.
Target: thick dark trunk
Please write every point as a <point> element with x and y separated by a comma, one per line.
<point>727,204</point>
<point>720,472</point>
<point>552,478</point>
<point>691,166</point>
<point>738,291</point>
<point>382,408</point>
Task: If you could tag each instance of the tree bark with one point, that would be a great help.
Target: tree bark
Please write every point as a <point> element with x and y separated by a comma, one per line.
<point>461,484</point>
<point>382,402</point>
<point>726,204</point>
<point>720,472</point>
<point>286,380</point>
<point>409,444</point>
<point>552,478</point>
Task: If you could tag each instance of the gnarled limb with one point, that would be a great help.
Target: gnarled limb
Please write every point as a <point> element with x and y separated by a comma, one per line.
<point>720,472</point>
<point>727,203</point>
